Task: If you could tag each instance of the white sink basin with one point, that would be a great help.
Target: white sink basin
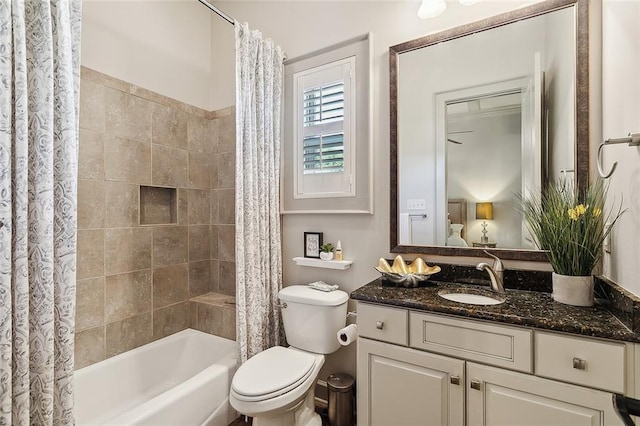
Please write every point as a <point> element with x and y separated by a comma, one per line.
<point>472,298</point>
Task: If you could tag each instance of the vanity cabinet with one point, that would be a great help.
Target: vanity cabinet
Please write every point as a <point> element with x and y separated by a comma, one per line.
<point>407,387</point>
<point>497,396</point>
<point>417,368</point>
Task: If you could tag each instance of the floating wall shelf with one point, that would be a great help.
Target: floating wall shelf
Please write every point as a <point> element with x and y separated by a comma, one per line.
<point>318,263</point>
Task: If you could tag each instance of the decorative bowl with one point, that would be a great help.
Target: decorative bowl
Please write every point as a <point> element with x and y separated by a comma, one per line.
<point>406,275</point>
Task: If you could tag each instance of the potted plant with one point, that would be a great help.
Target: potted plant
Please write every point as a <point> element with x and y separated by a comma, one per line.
<point>570,226</point>
<point>326,251</point>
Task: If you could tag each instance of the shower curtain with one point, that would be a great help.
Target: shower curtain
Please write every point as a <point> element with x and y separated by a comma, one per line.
<point>39,85</point>
<point>259,74</point>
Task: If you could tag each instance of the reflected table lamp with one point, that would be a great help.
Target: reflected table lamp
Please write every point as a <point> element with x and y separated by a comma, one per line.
<point>484,212</point>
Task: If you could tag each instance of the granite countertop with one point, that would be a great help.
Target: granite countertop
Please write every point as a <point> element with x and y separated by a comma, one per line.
<point>523,308</point>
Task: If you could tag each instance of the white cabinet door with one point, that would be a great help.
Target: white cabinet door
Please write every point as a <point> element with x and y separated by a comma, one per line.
<point>506,398</point>
<point>403,387</point>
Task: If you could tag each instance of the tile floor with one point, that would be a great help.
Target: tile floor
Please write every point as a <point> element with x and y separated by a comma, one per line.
<point>240,422</point>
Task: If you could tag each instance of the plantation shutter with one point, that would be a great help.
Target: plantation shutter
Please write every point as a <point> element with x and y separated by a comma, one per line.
<point>324,131</point>
<point>323,149</point>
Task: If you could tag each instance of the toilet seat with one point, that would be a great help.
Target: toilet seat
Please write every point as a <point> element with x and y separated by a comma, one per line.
<point>271,373</point>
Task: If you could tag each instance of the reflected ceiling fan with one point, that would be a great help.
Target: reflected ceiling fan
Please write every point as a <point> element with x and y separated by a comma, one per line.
<point>455,133</point>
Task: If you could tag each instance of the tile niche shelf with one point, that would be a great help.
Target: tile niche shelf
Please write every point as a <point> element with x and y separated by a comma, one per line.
<point>158,205</point>
<point>318,263</point>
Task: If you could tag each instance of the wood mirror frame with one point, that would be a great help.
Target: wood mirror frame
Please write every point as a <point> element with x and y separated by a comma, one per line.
<point>582,115</point>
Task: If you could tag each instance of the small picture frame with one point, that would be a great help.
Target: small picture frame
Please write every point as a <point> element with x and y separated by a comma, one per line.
<point>312,243</point>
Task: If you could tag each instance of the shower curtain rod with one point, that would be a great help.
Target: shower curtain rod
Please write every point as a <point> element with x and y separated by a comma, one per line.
<point>227,18</point>
<point>217,11</point>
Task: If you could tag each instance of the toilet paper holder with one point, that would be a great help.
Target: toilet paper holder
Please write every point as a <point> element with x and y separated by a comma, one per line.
<point>347,335</point>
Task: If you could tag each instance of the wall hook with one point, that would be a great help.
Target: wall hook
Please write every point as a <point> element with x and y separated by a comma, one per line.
<point>632,140</point>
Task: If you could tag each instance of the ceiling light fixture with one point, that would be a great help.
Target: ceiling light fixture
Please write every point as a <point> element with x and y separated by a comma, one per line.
<point>432,8</point>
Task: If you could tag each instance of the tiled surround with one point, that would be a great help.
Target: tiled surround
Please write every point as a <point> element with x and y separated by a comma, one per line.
<point>135,281</point>
<point>214,313</point>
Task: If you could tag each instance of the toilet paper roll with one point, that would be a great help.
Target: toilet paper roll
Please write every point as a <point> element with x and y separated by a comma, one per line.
<point>347,334</point>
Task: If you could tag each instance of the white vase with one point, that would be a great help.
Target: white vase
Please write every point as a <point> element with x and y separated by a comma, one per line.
<point>455,239</point>
<point>573,290</point>
<point>326,255</point>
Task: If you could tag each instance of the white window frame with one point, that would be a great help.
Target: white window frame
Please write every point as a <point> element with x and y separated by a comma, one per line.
<point>336,184</point>
<point>360,198</point>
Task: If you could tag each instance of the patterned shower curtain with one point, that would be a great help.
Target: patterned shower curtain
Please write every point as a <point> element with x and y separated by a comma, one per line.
<point>39,84</point>
<point>259,79</point>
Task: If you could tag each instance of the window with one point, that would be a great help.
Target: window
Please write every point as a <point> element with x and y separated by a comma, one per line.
<point>323,153</point>
<point>323,149</point>
<point>323,130</point>
<point>327,145</point>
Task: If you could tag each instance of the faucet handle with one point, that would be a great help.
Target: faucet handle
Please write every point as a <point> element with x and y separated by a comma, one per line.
<point>497,263</point>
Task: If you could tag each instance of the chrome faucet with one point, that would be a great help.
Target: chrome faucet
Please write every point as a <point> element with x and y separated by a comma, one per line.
<point>496,273</point>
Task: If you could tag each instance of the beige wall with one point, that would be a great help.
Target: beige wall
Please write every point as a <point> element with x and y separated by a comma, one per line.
<point>135,281</point>
<point>621,105</point>
<point>164,46</point>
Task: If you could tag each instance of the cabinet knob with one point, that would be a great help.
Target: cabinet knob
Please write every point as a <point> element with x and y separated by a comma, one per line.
<point>579,364</point>
<point>475,384</point>
<point>455,380</point>
<point>379,325</point>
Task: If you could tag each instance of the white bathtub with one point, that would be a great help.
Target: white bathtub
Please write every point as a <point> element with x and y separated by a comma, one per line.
<point>183,379</point>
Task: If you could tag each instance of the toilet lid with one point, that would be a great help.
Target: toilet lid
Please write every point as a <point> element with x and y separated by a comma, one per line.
<point>272,372</point>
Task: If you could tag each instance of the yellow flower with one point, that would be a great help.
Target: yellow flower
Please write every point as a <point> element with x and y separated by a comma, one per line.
<point>597,212</point>
<point>575,213</point>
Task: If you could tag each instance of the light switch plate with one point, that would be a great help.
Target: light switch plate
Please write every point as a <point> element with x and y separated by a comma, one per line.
<point>416,204</point>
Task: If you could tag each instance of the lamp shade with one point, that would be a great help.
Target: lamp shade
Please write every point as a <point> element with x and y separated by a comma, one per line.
<point>484,211</point>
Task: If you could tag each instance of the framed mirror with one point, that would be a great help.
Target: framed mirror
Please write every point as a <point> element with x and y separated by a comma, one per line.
<point>479,114</point>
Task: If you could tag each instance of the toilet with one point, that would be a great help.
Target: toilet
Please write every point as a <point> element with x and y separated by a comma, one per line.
<point>277,386</point>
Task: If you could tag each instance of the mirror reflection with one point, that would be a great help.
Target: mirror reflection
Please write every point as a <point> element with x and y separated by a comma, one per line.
<point>482,118</point>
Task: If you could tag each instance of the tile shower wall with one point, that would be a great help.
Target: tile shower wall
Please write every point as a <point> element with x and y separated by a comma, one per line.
<point>135,281</point>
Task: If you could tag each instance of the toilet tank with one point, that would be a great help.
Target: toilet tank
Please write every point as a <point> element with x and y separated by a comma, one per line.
<point>312,318</point>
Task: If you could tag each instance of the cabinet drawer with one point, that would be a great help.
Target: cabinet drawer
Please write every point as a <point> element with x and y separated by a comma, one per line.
<point>583,361</point>
<point>503,346</point>
<point>383,323</point>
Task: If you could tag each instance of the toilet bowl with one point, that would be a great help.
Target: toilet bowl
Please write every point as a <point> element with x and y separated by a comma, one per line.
<point>274,384</point>
<point>277,386</point>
